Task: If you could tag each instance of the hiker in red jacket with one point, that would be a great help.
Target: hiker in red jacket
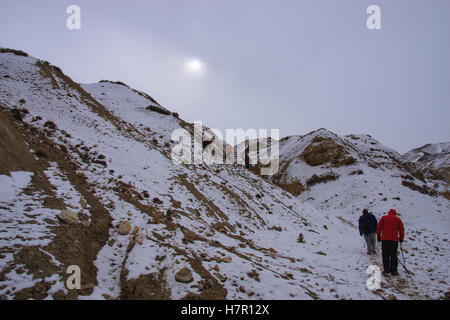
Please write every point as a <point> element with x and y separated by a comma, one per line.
<point>390,231</point>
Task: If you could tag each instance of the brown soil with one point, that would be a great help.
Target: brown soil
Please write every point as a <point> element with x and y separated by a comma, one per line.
<point>154,286</point>
<point>315,179</point>
<point>424,189</point>
<point>294,188</point>
<point>442,173</point>
<point>72,244</point>
<point>326,150</point>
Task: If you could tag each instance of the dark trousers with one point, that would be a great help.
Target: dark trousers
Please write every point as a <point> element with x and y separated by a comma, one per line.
<point>389,249</point>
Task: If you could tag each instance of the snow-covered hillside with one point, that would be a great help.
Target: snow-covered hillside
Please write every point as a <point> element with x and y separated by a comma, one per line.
<point>341,175</point>
<point>141,227</point>
<point>433,159</point>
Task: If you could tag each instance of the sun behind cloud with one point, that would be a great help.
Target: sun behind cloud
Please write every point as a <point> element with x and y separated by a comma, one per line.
<point>194,66</point>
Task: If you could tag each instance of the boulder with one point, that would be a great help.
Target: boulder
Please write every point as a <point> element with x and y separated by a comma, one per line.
<point>83,203</point>
<point>220,277</point>
<point>124,227</point>
<point>184,275</point>
<point>135,230</point>
<point>68,216</point>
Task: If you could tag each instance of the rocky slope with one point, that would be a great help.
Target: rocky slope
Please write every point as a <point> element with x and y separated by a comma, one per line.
<point>341,175</point>
<point>141,227</point>
<point>433,160</point>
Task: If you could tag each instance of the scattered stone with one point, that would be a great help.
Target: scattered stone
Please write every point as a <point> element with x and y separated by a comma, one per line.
<point>210,282</point>
<point>220,277</point>
<point>83,203</point>
<point>68,216</point>
<point>157,201</point>
<point>87,286</point>
<point>158,217</point>
<point>124,227</point>
<point>184,275</point>
<point>199,285</point>
<point>227,259</point>
<point>135,230</point>
<point>59,295</point>
<point>253,274</point>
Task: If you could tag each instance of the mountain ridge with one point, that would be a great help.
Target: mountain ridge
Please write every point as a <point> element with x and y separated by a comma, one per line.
<point>97,150</point>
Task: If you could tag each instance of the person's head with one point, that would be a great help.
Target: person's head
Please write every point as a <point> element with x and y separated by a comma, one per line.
<point>392,212</point>
<point>365,211</point>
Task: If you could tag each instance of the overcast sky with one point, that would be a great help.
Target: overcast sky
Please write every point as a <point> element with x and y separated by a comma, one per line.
<point>293,65</point>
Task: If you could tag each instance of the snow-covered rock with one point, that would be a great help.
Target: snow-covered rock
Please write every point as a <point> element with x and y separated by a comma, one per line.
<point>433,159</point>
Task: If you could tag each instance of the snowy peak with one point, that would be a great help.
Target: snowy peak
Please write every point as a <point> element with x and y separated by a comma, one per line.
<point>433,159</point>
<point>322,151</point>
<point>431,149</point>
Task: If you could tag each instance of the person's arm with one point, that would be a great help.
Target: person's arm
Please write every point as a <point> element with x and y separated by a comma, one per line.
<point>380,228</point>
<point>375,222</point>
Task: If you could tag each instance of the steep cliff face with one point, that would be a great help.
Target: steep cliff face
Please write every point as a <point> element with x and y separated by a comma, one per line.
<point>146,228</point>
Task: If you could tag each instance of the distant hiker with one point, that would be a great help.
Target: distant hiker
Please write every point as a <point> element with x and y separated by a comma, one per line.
<point>368,229</point>
<point>390,231</point>
<point>247,161</point>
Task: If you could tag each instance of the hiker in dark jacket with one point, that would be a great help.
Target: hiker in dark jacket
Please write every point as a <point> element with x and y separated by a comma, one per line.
<point>247,161</point>
<point>368,229</point>
<point>390,231</point>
